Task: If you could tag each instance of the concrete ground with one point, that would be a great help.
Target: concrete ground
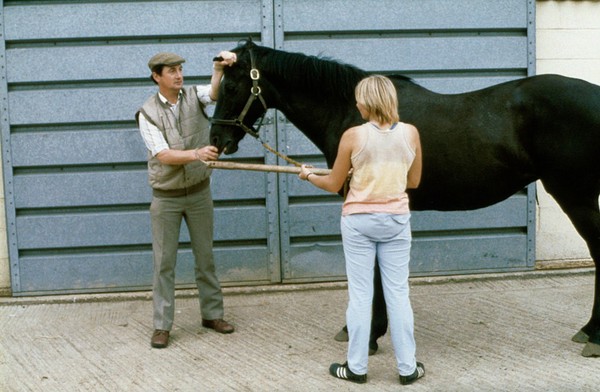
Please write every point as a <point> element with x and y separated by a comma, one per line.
<point>509,332</point>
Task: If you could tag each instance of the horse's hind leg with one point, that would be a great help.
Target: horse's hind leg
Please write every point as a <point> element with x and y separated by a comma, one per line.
<point>379,320</point>
<point>590,333</point>
<point>581,205</point>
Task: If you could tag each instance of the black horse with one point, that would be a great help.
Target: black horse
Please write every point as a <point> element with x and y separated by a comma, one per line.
<point>479,148</point>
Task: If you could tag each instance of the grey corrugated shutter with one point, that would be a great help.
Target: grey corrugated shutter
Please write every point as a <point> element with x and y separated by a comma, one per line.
<point>74,164</point>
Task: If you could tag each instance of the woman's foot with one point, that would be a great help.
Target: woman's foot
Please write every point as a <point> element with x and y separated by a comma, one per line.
<point>342,371</point>
<point>419,372</point>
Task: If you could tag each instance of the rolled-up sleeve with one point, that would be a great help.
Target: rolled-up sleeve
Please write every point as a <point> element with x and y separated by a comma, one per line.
<point>203,92</point>
<point>153,137</point>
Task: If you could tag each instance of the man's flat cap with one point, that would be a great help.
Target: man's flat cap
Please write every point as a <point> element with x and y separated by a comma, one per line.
<point>165,58</point>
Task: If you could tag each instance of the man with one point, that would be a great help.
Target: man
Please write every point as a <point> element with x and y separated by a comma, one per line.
<point>175,129</point>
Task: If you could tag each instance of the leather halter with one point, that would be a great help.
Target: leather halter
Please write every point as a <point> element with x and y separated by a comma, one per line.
<point>255,93</point>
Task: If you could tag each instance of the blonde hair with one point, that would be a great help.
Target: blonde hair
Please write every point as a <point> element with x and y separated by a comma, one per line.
<point>377,94</point>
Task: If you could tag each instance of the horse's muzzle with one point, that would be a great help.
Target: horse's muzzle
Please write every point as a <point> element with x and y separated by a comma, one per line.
<point>230,148</point>
<point>226,147</point>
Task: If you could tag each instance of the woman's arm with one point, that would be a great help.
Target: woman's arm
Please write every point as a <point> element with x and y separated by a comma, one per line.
<point>334,181</point>
<point>414,173</point>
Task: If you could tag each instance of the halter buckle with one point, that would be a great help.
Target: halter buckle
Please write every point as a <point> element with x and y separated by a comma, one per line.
<point>254,74</point>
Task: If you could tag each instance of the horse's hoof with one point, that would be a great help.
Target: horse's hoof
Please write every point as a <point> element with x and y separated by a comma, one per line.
<point>580,337</point>
<point>591,350</point>
<point>341,336</point>
<point>373,347</point>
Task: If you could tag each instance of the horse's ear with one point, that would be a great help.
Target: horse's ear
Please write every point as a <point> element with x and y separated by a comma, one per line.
<point>248,43</point>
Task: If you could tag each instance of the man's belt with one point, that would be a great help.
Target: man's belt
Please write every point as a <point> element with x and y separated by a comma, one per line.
<point>182,191</point>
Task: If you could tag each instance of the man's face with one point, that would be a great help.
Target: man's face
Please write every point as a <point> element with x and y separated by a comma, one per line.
<point>171,77</point>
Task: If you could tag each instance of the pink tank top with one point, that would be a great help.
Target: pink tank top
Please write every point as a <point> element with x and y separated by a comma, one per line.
<point>380,169</point>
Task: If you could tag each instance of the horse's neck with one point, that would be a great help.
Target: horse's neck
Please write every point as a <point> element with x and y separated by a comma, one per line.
<point>317,113</point>
<point>321,120</point>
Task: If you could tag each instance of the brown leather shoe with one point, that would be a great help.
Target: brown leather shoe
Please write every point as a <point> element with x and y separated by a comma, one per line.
<point>218,325</point>
<point>160,338</point>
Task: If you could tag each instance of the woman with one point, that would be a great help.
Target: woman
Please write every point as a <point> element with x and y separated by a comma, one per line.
<point>385,157</point>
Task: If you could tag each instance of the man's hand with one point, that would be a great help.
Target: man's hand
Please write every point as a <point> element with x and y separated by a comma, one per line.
<point>208,153</point>
<point>224,59</point>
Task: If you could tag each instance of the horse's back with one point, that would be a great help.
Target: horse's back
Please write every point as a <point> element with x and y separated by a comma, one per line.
<point>483,146</point>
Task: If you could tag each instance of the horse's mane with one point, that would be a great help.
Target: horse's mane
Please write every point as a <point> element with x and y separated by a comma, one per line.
<point>308,72</point>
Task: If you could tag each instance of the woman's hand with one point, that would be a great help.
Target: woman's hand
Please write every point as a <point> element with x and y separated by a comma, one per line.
<point>304,172</point>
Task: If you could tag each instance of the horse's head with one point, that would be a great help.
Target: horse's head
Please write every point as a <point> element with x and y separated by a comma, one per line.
<point>240,102</point>
<point>316,94</point>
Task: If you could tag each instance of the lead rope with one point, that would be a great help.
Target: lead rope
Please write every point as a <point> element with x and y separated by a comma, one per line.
<point>280,155</point>
<point>346,187</point>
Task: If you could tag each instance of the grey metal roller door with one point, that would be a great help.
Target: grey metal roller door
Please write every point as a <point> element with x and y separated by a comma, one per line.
<point>74,164</point>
